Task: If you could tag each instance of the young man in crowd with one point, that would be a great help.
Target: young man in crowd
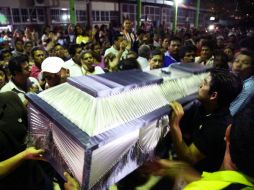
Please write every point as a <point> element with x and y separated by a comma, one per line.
<point>172,55</point>
<point>54,71</point>
<point>243,66</point>
<point>237,167</point>
<point>198,132</point>
<point>187,54</point>
<point>21,82</point>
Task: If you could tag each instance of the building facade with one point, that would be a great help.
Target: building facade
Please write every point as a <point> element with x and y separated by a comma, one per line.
<point>20,13</point>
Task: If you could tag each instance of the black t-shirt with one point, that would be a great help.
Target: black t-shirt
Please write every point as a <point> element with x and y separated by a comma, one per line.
<point>13,131</point>
<point>207,132</point>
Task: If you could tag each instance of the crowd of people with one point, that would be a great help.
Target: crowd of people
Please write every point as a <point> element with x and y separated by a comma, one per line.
<point>212,133</point>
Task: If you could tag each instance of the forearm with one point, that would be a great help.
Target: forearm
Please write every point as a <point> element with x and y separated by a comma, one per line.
<point>113,64</point>
<point>119,55</point>
<point>182,150</point>
<point>9,165</point>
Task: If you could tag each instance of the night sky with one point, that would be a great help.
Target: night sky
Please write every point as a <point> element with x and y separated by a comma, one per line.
<point>228,8</point>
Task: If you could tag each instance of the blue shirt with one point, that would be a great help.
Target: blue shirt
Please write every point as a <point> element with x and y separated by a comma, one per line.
<point>247,91</point>
<point>168,59</point>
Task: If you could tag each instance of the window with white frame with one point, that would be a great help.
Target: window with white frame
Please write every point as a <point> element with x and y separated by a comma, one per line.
<point>96,15</point>
<point>114,15</point>
<point>104,15</point>
<point>81,15</point>
<point>25,15</point>
<point>55,15</point>
<point>33,15</point>
<point>129,11</point>
<point>40,15</point>
<point>16,15</point>
<point>152,12</point>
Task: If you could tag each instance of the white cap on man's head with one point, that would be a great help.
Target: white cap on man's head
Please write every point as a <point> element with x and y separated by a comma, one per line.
<point>52,65</point>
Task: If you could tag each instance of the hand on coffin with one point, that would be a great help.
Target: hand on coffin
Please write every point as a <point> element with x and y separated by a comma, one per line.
<point>71,183</point>
<point>174,169</point>
<point>32,153</point>
<point>176,115</point>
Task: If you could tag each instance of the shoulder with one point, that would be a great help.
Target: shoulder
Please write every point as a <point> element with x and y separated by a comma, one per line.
<point>7,87</point>
<point>98,70</point>
<point>33,80</point>
<point>69,63</point>
<point>8,96</point>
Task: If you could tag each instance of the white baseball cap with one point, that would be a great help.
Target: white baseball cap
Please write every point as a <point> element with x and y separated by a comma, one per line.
<point>52,65</point>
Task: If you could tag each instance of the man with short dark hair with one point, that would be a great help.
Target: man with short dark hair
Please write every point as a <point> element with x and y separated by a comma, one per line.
<point>187,54</point>
<point>20,82</point>
<point>206,55</point>
<point>237,171</point>
<point>38,55</point>
<point>172,55</point>
<point>144,55</point>
<point>128,34</point>
<point>119,46</point>
<point>116,52</point>
<point>5,56</point>
<point>156,59</point>
<point>243,66</point>
<point>199,135</point>
<point>58,51</point>
<point>74,64</point>
<point>18,47</point>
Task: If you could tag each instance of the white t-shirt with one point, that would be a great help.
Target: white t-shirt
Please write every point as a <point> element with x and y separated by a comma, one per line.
<point>75,69</point>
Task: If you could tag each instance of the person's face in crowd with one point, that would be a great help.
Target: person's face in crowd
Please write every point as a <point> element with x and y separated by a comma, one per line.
<point>66,53</point>
<point>2,79</point>
<point>18,35</point>
<point>7,56</point>
<point>52,79</point>
<point>19,46</point>
<point>106,44</point>
<point>79,30</point>
<point>155,62</point>
<point>146,38</point>
<point>204,89</point>
<point>70,29</point>
<point>220,42</point>
<point>97,49</point>
<point>28,33</point>
<point>28,47</point>
<point>165,43</point>
<point>59,51</point>
<point>39,57</point>
<point>127,25</point>
<point>26,71</point>
<point>118,42</point>
<point>123,45</point>
<point>174,47</point>
<point>189,57</point>
<point>200,43</point>
<point>229,53</point>
<point>76,57</point>
<point>205,53</point>
<point>232,38</point>
<point>87,61</point>
<point>243,66</point>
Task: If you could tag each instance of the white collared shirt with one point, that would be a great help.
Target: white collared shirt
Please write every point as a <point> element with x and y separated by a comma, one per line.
<point>10,86</point>
<point>75,69</point>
